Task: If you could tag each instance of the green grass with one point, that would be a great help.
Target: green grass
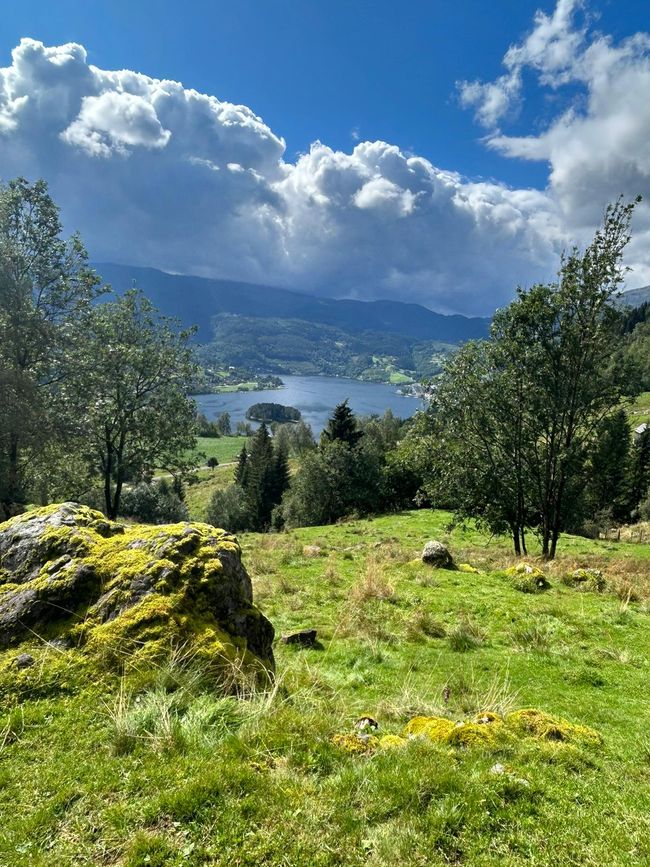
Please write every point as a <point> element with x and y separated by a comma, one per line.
<point>224,449</point>
<point>151,769</point>
<point>640,409</point>
<point>198,495</point>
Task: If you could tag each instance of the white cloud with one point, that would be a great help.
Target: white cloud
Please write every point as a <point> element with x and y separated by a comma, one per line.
<point>156,174</point>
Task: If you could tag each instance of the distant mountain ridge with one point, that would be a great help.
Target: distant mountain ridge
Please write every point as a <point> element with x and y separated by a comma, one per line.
<point>196,300</point>
<point>635,297</point>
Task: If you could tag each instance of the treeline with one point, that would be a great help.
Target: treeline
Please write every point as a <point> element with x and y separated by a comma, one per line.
<point>353,470</point>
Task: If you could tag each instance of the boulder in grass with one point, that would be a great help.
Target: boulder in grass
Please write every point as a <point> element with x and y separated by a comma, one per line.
<point>437,555</point>
<point>120,592</point>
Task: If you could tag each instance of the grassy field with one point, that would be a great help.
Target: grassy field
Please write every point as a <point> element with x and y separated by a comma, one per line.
<point>640,409</point>
<point>224,449</point>
<point>151,769</point>
<point>198,495</point>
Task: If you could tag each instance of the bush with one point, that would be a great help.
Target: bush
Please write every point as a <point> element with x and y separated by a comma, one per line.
<point>228,509</point>
<point>153,503</point>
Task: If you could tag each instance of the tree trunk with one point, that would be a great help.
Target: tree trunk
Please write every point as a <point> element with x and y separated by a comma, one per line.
<point>108,472</point>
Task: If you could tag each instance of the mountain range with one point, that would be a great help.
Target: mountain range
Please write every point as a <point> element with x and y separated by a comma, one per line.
<point>196,300</point>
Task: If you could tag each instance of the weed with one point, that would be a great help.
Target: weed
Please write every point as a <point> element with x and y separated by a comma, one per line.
<point>465,635</point>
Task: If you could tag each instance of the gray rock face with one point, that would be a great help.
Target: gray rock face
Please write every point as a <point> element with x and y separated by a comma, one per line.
<point>436,554</point>
<point>68,574</point>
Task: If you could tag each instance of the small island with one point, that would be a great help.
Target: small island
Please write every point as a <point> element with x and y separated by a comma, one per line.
<point>270,412</point>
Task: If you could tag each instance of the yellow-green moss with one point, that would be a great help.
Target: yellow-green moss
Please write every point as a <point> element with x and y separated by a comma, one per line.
<point>435,728</point>
<point>538,724</point>
<point>527,578</point>
<point>466,567</point>
<point>590,580</point>
<point>355,744</point>
<point>153,587</point>
<point>392,742</point>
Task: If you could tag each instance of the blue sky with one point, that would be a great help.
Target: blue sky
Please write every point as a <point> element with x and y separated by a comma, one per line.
<point>340,73</point>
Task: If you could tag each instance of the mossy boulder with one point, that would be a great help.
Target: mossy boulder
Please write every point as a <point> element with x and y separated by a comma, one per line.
<point>527,578</point>
<point>118,592</point>
<point>590,580</point>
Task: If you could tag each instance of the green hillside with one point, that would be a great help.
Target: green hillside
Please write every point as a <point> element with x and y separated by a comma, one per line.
<point>295,346</point>
<point>152,769</point>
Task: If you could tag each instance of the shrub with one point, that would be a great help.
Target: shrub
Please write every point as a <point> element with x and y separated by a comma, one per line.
<point>228,509</point>
<point>153,503</point>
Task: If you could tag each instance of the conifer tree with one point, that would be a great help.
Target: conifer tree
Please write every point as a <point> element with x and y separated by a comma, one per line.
<point>241,468</point>
<point>342,427</point>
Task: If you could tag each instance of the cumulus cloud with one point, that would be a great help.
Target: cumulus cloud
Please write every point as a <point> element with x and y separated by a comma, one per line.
<point>157,174</point>
<point>599,147</point>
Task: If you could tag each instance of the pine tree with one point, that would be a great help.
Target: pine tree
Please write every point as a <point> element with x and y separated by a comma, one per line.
<point>342,426</point>
<point>608,484</point>
<point>242,468</point>
<point>258,484</point>
<point>640,468</point>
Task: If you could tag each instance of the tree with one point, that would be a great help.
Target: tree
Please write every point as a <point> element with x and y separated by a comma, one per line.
<point>223,424</point>
<point>258,484</point>
<point>516,416</point>
<point>45,286</point>
<point>608,482</point>
<point>130,393</point>
<point>640,468</point>
<point>240,469</point>
<point>469,447</point>
<point>342,426</point>
<point>212,462</point>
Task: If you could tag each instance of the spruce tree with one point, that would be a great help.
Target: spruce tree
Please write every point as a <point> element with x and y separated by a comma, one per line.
<point>242,468</point>
<point>342,427</point>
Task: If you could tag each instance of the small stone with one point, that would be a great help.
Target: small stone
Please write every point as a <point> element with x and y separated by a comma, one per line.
<point>436,554</point>
<point>24,660</point>
<point>305,638</point>
<point>311,551</point>
<point>498,768</point>
<point>366,724</point>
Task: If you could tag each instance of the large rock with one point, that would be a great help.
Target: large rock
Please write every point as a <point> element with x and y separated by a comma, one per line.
<point>436,554</point>
<point>116,591</point>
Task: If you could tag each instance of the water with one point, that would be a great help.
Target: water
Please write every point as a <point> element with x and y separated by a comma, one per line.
<point>315,397</point>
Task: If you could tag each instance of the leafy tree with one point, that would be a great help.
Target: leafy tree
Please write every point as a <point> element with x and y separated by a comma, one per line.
<point>212,462</point>
<point>516,416</point>
<point>227,509</point>
<point>244,429</point>
<point>130,392</point>
<point>223,425</point>
<point>342,426</point>
<point>45,286</point>
<point>153,503</point>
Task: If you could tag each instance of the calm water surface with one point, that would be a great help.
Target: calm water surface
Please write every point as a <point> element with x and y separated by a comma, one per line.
<point>315,397</point>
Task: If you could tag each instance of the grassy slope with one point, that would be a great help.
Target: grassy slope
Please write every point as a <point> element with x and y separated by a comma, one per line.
<point>224,449</point>
<point>261,782</point>
<point>640,409</point>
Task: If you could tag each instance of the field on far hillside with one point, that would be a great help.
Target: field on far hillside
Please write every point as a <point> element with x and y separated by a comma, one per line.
<point>152,769</point>
<point>640,409</point>
<point>224,449</point>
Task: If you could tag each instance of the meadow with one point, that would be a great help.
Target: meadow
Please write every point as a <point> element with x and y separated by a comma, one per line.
<point>150,767</point>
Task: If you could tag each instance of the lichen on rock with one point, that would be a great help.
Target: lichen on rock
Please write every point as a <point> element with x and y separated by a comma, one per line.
<point>118,592</point>
<point>437,555</point>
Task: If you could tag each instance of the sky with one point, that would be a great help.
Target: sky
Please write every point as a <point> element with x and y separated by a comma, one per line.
<point>435,152</point>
